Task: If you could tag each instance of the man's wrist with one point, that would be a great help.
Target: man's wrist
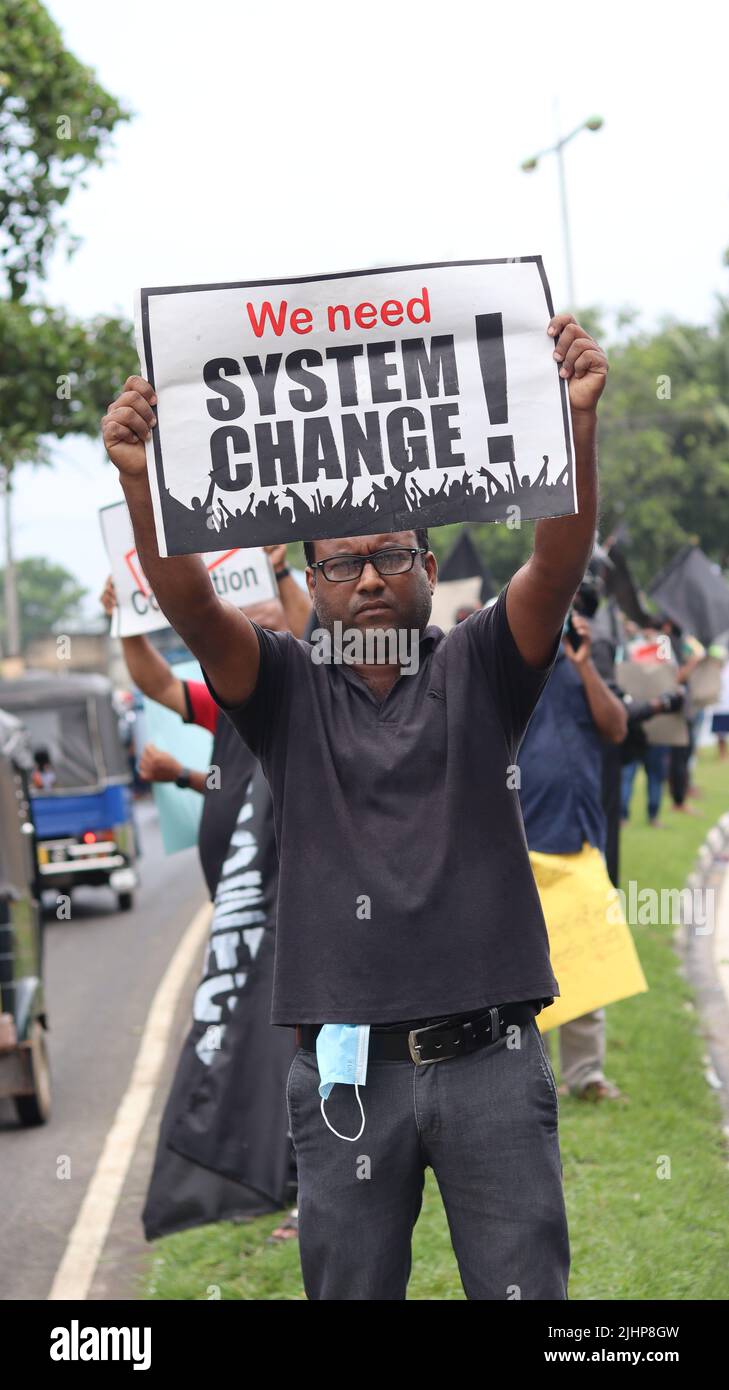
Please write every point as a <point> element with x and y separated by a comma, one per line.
<point>584,418</point>
<point>283,573</point>
<point>183,778</point>
<point>135,484</point>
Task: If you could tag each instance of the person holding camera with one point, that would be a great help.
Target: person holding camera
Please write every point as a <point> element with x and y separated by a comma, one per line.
<point>560,767</point>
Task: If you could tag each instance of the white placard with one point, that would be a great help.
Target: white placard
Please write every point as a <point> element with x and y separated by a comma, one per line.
<point>354,404</point>
<point>242,577</point>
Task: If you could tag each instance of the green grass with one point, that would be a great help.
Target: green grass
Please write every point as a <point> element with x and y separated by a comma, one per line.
<point>633,1235</point>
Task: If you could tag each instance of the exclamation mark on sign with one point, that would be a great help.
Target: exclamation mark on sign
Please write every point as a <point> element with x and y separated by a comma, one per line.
<point>490,339</point>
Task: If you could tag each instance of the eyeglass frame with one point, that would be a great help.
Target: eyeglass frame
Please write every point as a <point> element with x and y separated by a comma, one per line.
<point>412,551</point>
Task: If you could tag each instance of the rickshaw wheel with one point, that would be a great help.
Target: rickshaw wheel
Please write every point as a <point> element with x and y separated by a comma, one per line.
<point>125,901</point>
<point>36,1108</point>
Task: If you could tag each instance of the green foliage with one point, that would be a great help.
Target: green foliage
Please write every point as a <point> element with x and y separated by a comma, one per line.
<point>47,595</point>
<point>663,445</point>
<point>664,442</point>
<point>55,123</point>
<point>57,376</point>
<point>503,548</point>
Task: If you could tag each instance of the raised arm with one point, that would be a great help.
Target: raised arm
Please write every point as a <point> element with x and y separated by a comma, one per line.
<point>219,635</point>
<point>146,666</point>
<point>296,603</point>
<point>608,711</point>
<point>540,593</point>
<point>346,498</point>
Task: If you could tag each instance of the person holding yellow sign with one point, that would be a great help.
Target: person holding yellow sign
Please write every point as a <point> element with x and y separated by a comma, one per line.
<point>560,772</point>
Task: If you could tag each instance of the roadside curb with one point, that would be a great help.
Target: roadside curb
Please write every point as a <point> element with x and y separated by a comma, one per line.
<point>705,959</point>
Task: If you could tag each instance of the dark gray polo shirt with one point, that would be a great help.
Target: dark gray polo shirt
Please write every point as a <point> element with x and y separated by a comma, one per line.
<point>405,888</point>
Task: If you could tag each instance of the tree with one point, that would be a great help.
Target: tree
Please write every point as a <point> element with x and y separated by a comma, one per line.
<point>48,595</point>
<point>55,123</point>
<point>57,378</point>
<point>664,442</point>
<point>663,445</point>
<point>57,374</point>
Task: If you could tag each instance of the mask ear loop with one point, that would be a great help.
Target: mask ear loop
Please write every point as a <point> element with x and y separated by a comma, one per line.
<point>349,1137</point>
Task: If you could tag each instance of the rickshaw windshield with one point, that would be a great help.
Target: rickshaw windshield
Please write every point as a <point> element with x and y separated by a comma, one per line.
<point>73,730</point>
<point>65,736</point>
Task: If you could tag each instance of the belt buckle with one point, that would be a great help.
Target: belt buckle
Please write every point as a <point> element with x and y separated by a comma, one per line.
<point>414,1047</point>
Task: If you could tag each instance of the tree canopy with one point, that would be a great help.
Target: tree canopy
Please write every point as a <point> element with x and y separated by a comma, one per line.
<point>57,376</point>
<point>47,596</point>
<point>663,448</point>
<point>55,123</point>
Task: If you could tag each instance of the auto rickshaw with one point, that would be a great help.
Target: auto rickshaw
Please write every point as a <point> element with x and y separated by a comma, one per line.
<point>24,1069</point>
<point>80,796</point>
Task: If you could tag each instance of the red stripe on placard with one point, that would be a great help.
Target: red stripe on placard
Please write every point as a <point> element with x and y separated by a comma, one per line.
<point>139,579</point>
<point>220,558</point>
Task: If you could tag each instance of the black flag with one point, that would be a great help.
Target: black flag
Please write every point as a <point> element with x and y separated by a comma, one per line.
<point>464,562</point>
<point>693,592</point>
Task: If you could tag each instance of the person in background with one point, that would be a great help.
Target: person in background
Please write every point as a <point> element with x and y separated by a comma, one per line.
<point>294,599</point>
<point>687,652</point>
<point>720,717</point>
<point>608,638</point>
<point>42,777</point>
<point>560,767</point>
<point>644,645</point>
<point>466,610</point>
<point>249,1160</point>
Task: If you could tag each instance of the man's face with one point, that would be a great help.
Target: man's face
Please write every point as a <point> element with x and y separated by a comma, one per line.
<point>374,600</point>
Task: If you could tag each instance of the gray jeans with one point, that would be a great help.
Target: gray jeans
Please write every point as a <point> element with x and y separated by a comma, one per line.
<point>486,1123</point>
<point>582,1050</point>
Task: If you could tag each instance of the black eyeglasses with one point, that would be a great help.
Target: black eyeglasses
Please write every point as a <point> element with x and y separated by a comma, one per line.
<point>340,569</point>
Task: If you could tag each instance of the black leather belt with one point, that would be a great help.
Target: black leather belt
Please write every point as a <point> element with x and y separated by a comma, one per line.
<point>434,1042</point>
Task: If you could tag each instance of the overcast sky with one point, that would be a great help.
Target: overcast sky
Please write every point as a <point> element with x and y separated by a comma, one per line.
<point>291,139</point>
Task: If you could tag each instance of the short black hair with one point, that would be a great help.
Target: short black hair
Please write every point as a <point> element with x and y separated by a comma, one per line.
<point>421,536</point>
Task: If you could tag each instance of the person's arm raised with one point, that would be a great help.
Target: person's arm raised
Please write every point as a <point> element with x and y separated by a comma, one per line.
<point>541,592</point>
<point>219,635</point>
<point>296,604</point>
<point>146,666</point>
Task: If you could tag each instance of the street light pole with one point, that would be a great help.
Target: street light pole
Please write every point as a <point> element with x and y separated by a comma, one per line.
<point>571,296</point>
<point>528,165</point>
<point>12,616</point>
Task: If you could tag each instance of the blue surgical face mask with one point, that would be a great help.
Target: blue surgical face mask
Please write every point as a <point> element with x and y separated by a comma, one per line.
<point>341,1054</point>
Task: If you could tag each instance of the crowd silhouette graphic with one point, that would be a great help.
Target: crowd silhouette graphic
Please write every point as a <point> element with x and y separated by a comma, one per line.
<point>393,504</point>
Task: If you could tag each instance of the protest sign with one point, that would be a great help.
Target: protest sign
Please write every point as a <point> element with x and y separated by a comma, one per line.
<point>590,944</point>
<point>451,596</point>
<point>354,404</point>
<point>179,808</point>
<point>647,680</point>
<point>704,683</point>
<point>240,576</point>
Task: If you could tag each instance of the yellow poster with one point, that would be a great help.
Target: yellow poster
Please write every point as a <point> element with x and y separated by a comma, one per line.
<point>593,954</point>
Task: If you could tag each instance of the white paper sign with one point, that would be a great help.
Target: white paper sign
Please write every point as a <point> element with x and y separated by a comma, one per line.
<point>242,577</point>
<point>354,404</point>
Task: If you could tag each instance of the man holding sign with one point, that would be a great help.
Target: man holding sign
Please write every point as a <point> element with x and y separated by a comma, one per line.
<point>408,918</point>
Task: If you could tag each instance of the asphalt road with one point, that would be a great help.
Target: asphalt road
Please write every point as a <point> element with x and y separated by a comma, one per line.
<point>101,971</point>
